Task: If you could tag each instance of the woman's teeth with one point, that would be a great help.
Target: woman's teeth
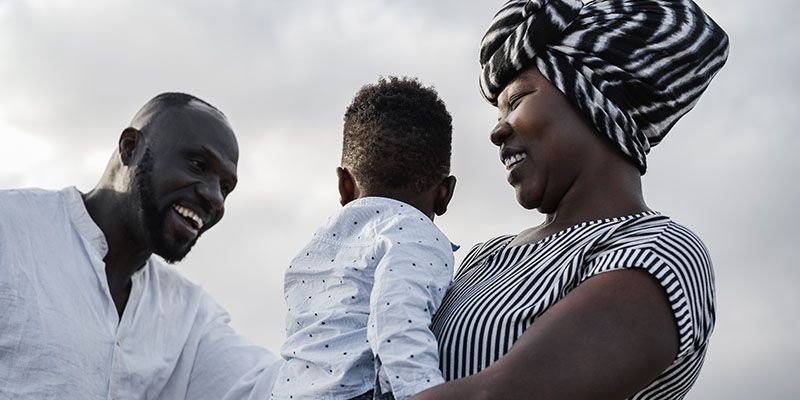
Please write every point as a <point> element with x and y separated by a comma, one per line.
<point>190,215</point>
<point>513,160</point>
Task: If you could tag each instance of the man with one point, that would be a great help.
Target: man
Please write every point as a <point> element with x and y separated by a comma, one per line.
<point>87,311</point>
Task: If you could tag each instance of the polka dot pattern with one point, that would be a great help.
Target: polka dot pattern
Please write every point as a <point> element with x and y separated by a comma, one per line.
<point>367,284</point>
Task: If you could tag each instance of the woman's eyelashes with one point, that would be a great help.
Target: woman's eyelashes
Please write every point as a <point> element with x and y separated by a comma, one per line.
<point>515,99</point>
<point>511,105</point>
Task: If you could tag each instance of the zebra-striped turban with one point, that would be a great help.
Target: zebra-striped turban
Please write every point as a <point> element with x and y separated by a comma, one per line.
<point>633,67</point>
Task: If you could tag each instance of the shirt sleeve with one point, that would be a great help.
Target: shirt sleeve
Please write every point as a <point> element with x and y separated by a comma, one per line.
<point>411,279</point>
<point>680,263</point>
<point>229,366</point>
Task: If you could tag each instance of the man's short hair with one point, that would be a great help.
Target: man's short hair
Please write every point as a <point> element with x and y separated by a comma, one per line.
<point>154,108</point>
<point>397,136</point>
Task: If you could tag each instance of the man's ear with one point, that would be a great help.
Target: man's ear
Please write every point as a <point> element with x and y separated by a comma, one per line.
<point>129,141</point>
<point>347,186</point>
<point>444,194</point>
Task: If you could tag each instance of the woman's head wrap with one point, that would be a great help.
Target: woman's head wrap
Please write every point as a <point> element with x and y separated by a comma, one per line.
<point>633,67</point>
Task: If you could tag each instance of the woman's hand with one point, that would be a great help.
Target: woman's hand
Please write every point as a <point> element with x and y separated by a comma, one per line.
<point>608,338</point>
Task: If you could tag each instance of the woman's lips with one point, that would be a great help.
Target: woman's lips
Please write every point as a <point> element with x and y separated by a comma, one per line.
<point>513,160</point>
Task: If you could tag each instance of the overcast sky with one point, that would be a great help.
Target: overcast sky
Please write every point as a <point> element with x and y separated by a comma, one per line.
<point>73,73</point>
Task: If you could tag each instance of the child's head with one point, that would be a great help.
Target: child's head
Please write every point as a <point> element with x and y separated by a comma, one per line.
<point>397,136</point>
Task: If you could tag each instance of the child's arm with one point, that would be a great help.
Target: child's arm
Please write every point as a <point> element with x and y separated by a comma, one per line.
<point>410,282</point>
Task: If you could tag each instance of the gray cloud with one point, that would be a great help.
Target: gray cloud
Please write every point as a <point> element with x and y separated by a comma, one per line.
<point>74,72</point>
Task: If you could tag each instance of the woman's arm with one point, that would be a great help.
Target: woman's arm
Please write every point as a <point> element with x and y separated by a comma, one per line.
<point>608,338</point>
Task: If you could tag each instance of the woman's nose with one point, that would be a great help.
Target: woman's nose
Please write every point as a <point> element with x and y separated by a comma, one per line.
<point>500,133</point>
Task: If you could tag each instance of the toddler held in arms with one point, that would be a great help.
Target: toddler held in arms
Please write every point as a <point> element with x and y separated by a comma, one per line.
<point>361,294</point>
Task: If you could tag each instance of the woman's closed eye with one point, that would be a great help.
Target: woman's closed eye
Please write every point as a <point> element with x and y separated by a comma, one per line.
<point>515,99</point>
<point>513,102</point>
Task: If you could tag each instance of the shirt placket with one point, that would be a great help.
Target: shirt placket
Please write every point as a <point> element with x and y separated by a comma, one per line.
<point>98,248</point>
<point>115,382</point>
<point>119,365</point>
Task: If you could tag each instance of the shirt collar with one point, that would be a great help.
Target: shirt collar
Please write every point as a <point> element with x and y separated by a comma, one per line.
<point>83,222</point>
<point>387,200</point>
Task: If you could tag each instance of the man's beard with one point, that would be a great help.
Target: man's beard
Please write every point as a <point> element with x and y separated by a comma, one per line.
<point>155,219</point>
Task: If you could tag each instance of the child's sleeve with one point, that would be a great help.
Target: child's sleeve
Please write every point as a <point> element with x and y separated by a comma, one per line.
<point>411,278</point>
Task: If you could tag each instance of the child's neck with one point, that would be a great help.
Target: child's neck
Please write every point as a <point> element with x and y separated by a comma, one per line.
<point>422,201</point>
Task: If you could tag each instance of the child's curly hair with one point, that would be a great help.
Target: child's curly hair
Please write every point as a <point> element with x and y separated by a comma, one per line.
<point>397,136</point>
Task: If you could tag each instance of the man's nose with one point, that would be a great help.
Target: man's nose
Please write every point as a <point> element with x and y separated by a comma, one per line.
<point>211,191</point>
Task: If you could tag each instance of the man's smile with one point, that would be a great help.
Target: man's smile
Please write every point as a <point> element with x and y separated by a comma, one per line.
<point>190,215</point>
<point>184,221</point>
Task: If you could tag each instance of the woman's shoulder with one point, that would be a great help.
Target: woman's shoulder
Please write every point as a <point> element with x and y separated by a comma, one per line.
<point>683,248</point>
<point>656,231</point>
<point>650,240</point>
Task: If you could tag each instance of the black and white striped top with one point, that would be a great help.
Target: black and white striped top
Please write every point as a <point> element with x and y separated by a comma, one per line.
<point>500,290</point>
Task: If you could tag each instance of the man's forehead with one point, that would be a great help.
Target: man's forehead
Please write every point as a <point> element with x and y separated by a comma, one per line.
<point>197,125</point>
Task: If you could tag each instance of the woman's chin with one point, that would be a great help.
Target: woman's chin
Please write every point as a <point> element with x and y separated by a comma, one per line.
<point>528,199</point>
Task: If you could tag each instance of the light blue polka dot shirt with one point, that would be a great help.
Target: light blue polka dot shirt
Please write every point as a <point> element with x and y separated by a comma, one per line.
<point>360,298</point>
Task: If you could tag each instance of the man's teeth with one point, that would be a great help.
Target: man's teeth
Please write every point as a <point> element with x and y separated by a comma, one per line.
<point>198,222</point>
<point>513,160</point>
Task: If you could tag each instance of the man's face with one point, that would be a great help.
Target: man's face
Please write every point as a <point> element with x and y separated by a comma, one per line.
<point>183,178</point>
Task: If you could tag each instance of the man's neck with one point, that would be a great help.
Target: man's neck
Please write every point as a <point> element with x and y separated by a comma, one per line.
<point>126,254</point>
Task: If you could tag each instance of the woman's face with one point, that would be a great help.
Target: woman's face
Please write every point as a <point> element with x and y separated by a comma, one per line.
<point>545,143</point>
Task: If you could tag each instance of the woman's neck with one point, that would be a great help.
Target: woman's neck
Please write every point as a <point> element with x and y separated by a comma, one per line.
<point>615,190</point>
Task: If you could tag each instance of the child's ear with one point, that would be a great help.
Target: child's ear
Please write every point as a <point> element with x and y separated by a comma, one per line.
<point>444,194</point>
<point>347,186</point>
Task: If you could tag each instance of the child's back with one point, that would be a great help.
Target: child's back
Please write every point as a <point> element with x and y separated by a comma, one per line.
<point>361,294</point>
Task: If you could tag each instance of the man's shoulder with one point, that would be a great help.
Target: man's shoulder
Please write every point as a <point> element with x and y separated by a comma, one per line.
<point>34,208</point>
<point>28,199</point>
<point>27,192</point>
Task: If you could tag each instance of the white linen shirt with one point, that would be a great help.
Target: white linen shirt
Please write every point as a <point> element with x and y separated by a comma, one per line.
<point>60,334</point>
<point>367,284</point>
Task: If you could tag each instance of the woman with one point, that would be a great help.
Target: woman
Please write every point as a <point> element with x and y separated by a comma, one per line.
<point>606,299</point>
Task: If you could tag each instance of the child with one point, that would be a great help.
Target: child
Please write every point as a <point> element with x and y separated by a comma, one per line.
<point>362,293</point>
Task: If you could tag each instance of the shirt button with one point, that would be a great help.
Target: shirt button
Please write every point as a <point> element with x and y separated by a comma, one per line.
<point>119,342</point>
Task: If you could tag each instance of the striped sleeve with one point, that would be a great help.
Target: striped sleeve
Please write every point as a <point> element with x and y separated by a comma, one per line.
<point>680,263</point>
